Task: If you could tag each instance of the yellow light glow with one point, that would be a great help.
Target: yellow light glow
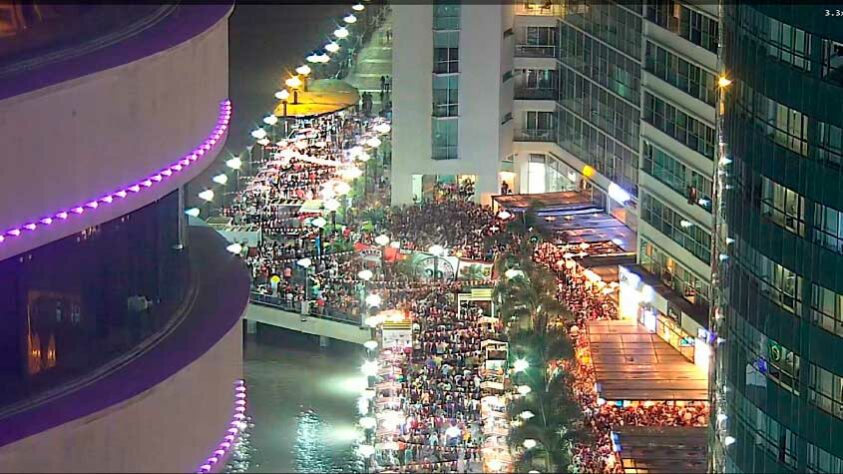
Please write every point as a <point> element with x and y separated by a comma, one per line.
<point>588,171</point>
<point>293,82</point>
<point>723,81</point>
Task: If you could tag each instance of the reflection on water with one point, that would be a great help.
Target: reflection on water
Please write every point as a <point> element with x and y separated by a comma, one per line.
<point>302,402</point>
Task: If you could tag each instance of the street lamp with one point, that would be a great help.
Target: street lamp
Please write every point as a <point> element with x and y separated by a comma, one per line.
<point>382,240</point>
<point>504,215</point>
<point>332,205</point>
<point>365,275</point>
<point>221,178</point>
<point>319,223</point>
<point>192,212</point>
<point>303,71</point>
<point>358,7</point>
<point>383,128</point>
<point>235,248</point>
<point>259,134</point>
<point>373,142</point>
<point>369,368</point>
<point>234,163</point>
<point>350,19</point>
<point>305,305</point>
<point>373,300</point>
<point>294,83</point>
<point>520,365</point>
<point>332,47</point>
<point>207,195</point>
<point>341,32</point>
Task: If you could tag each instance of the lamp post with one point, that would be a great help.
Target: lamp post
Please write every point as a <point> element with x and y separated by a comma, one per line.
<point>383,240</point>
<point>319,223</point>
<point>294,83</point>
<point>436,251</point>
<point>283,95</point>
<point>332,205</point>
<point>305,305</point>
<point>303,71</point>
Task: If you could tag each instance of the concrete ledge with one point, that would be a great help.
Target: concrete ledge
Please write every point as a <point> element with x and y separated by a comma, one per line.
<point>311,325</point>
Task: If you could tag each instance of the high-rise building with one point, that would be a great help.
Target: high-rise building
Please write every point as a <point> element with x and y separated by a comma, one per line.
<point>779,296</point>
<point>615,98</point>
<point>121,340</point>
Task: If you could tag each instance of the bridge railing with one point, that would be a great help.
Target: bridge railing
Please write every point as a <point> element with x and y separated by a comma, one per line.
<point>295,307</point>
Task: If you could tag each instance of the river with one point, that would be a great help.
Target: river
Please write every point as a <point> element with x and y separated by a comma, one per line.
<point>302,400</point>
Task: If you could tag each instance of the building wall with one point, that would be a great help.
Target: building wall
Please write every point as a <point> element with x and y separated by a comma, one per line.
<point>778,371</point>
<point>172,427</point>
<point>481,97</point>
<point>77,140</point>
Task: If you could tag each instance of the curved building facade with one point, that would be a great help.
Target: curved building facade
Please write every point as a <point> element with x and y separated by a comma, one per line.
<point>779,365</point>
<point>120,342</point>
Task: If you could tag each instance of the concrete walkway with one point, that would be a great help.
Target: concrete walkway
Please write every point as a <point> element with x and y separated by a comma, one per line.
<point>374,61</point>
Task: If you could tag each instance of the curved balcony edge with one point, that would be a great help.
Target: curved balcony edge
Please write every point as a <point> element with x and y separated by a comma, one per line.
<point>222,287</point>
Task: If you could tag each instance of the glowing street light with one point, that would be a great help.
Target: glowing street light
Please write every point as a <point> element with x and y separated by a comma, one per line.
<point>367,422</point>
<point>263,142</point>
<point>366,450</point>
<point>235,248</point>
<point>341,32</point>
<point>382,239</point>
<point>364,157</point>
<point>529,443</point>
<point>319,222</point>
<point>304,263</point>
<point>350,19</point>
<point>526,415</point>
<point>304,70</point>
<point>207,195</point>
<point>192,212</point>
<point>373,300</point>
<point>371,345</point>
<point>365,275</point>
<point>512,273</point>
<point>283,94</point>
<point>342,188</point>
<point>293,82</point>
<point>332,47</point>
<point>520,365</point>
<point>332,205</point>
<point>524,389</point>
<point>436,250</point>
<point>495,465</point>
<point>259,133</point>
<point>504,215</point>
<point>270,120</point>
<point>358,7</point>
<point>373,142</point>
<point>383,128</point>
<point>723,81</point>
<point>369,368</point>
<point>221,178</point>
<point>729,440</point>
<point>234,163</point>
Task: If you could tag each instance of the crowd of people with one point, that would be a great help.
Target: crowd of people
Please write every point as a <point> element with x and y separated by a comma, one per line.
<point>438,395</point>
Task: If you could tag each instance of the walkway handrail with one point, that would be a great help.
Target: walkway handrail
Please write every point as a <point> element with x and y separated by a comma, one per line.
<point>295,307</point>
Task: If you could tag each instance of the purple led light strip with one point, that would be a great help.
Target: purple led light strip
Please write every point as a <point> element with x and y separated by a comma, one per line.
<point>236,427</point>
<point>145,183</point>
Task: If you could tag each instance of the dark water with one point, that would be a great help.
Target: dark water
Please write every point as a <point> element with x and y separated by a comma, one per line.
<point>302,400</point>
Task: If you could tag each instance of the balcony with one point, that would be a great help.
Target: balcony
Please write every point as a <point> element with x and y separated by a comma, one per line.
<point>539,9</point>
<point>535,51</point>
<point>527,93</point>
<point>535,135</point>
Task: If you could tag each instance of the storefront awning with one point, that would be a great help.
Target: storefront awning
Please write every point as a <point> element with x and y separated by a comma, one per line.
<point>661,449</point>
<point>631,363</point>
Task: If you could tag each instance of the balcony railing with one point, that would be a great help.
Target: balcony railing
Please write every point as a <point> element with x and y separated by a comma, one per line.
<point>526,93</point>
<point>535,51</point>
<point>539,9</point>
<point>295,306</point>
<point>535,135</point>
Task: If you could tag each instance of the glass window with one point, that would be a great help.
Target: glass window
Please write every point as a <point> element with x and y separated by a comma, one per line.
<point>828,227</point>
<point>446,15</point>
<point>832,69</point>
<point>787,127</point>
<point>827,309</point>
<point>676,123</point>
<point>679,73</point>
<point>681,230</point>
<point>446,91</point>
<point>783,206</point>
<point>694,26</point>
<point>445,134</point>
<point>671,172</point>
<point>830,143</point>
<point>446,52</point>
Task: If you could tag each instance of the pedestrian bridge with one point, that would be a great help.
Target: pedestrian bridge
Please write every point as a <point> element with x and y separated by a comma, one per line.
<point>340,328</point>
